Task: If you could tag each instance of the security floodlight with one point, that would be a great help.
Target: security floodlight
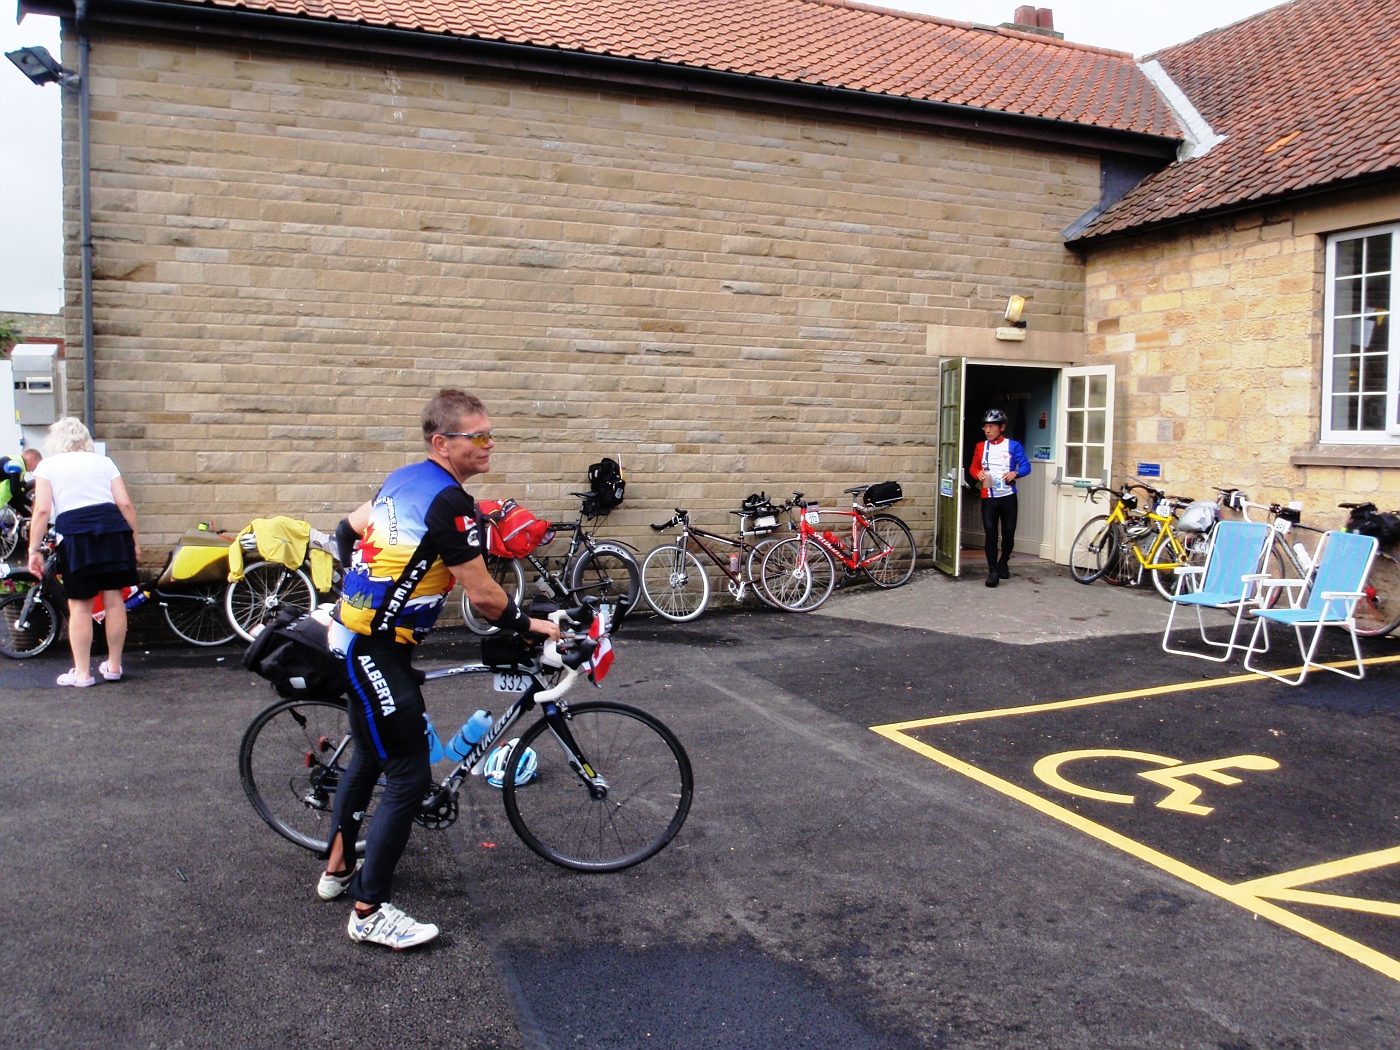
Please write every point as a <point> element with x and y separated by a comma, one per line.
<point>41,67</point>
<point>1014,306</point>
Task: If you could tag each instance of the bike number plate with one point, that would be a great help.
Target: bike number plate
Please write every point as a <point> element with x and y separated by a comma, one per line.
<point>512,683</point>
<point>1163,509</point>
<point>814,516</point>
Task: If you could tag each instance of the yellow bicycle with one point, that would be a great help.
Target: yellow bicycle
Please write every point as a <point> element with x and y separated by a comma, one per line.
<point>1128,543</point>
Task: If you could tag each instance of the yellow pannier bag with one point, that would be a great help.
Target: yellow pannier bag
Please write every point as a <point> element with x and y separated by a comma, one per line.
<point>201,557</point>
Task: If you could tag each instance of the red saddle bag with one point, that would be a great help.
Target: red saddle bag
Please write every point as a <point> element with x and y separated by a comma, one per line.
<point>511,530</point>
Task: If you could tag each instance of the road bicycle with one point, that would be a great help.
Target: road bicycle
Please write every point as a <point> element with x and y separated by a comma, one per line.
<point>1289,557</point>
<point>674,580</point>
<point>602,569</point>
<point>614,785</point>
<point>31,619</point>
<point>799,573</point>
<point>1129,543</point>
<point>1378,613</point>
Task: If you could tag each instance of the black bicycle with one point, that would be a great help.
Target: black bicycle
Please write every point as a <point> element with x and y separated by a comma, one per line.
<point>590,568</point>
<point>613,784</point>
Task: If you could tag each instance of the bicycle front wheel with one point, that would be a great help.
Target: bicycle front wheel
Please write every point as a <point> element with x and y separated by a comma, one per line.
<point>886,532</point>
<point>1175,553</point>
<point>265,589</point>
<point>753,569</point>
<point>1092,550</point>
<point>196,614</point>
<point>291,761</point>
<point>675,583</point>
<point>24,635</point>
<point>9,532</point>
<point>630,812</point>
<point>511,576</point>
<point>1379,612</point>
<point>610,574</point>
<point>798,575</point>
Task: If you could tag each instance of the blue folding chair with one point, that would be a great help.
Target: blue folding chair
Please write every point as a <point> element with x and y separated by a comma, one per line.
<point>1328,599</point>
<point>1226,582</point>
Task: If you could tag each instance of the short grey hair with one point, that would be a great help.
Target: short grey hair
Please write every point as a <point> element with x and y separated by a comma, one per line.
<point>442,414</point>
<point>68,435</point>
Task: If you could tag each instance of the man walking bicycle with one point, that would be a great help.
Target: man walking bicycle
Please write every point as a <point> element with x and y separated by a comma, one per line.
<point>418,536</point>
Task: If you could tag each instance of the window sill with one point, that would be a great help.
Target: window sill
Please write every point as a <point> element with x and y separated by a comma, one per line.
<point>1365,456</point>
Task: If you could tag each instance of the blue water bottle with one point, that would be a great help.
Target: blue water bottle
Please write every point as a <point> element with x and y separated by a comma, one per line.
<point>434,745</point>
<point>465,738</point>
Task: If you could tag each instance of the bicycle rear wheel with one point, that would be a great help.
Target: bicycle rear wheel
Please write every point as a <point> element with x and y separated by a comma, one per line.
<point>1093,549</point>
<point>511,576</point>
<point>888,532</point>
<point>1379,612</point>
<point>675,583</point>
<point>1177,552</point>
<point>753,570</point>
<point>798,575</point>
<point>265,588</point>
<point>566,821</point>
<point>9,531</point>
<point>609,573</point>
<point>196,614</point>
<point>291,762</point>
<point>21,638</point>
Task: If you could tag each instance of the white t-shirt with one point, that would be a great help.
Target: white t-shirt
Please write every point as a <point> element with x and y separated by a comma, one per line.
<point>79,479</point>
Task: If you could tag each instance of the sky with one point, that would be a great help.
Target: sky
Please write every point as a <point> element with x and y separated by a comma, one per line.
<point>31,248</point>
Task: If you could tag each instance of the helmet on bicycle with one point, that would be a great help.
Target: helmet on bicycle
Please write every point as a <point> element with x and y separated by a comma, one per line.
<point>994,415</point>
<point>14,467</point>
<point>526,769</point>
<point>1199,516</point>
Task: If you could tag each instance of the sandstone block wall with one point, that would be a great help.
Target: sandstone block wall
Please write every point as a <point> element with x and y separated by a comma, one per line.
<point>293,253</point>
<point>1216,333</point>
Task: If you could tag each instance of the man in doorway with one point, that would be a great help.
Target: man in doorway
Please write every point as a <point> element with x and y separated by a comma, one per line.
<point>996,464</point>
<point>416,537</point>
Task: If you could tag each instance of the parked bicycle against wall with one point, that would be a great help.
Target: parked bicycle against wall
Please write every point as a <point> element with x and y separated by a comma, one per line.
<point>1130,542</point>
<point>799,573</point>
<point>1378,613</point>
<point>1292,545</point>
<point>676,583</point>
<point>613,784</point>
<point>602,569</point>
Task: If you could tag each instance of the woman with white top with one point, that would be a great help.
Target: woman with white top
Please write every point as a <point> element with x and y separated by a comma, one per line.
<point>87,500</point>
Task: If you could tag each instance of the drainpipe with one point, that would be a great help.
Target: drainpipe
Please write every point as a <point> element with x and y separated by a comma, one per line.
<point>85,199</point>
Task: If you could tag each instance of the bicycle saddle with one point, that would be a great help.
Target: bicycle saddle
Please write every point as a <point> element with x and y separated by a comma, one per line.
<point>857,490</point>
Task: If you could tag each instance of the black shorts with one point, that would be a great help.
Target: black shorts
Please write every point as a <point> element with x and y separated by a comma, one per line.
<point>386,706</point>
<point>84,586</point>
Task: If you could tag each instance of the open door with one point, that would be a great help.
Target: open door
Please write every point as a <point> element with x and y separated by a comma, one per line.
<point>1084,449</point>
<point>947,541</point>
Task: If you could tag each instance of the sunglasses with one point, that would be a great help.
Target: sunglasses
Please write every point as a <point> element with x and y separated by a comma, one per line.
<point>480,439</point>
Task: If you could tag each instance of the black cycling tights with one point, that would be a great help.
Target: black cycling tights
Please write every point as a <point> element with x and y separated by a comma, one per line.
<point>1001,509</point>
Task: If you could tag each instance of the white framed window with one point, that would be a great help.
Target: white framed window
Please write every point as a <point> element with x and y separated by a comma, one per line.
<point>1360,348</point>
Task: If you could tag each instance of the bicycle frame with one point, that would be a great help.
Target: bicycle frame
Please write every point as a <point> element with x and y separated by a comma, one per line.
<point>850,559</point>
<point>738,585</point>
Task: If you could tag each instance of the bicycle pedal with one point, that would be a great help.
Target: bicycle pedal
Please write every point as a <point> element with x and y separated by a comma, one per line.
<point>738,590</point>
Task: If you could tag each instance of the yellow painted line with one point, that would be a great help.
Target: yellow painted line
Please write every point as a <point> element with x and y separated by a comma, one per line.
<point>1108,698</point>
<point>1248,895</point>
<point>1377,961</point>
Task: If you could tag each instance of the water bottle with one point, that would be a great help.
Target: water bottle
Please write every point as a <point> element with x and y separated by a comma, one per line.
<point>734,564</point>
<point>465,738</point>
<point>435,753</point>
<point>1304,558</point>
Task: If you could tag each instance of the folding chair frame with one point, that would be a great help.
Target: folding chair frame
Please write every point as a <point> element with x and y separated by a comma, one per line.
<point>1245,602</point>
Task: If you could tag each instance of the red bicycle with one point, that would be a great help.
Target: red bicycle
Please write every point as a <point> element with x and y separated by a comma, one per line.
<point>799,573</point>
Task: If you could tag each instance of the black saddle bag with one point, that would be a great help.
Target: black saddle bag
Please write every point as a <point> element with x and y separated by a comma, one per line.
<point>293,654</point>
<point>885,494</point>
<point>1384,527</point>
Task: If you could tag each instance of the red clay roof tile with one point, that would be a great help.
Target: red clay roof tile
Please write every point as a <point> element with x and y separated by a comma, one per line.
<point>830,42</point>
<point>1306,94</point>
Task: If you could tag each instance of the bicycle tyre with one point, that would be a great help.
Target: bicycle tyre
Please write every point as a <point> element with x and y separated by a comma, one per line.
<point>9,531</point>
<point>1093,549</point>
<point>197,615</point>
<point>675,584</point>
<point>638,756</point>
<point>273,766</point>
<point>608,572</point>
<point>753,570</point>
<point>1378,613</point>
<point>265,588</point>
<point>795,582</point>
<point>1181,555</point>
<point>39,632</point>
<point>895,568</point>
<point>510,574</point>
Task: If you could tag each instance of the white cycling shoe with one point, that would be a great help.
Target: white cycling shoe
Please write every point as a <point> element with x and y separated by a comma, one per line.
<point>332,886</point>
<point>390,927</point>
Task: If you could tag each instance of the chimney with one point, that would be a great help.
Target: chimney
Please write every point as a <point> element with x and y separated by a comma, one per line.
<point>1040,21</point>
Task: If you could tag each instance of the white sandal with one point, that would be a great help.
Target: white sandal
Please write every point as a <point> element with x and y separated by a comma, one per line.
<point>107,674</point>
<point>70,677</point>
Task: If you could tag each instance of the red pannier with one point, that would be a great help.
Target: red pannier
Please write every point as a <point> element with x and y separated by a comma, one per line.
<point>511,530</point>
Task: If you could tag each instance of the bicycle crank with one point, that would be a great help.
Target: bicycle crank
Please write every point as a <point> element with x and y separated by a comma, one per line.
<point>439,809</point>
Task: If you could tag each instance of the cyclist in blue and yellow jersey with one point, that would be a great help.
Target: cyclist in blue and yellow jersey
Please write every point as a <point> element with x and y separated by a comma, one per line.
<point>417,537</point>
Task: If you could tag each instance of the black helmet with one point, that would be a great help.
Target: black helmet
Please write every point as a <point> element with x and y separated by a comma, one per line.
<point>994,415</point>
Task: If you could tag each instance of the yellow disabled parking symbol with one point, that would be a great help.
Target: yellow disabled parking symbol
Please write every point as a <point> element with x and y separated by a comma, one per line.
<point>1172,774</point>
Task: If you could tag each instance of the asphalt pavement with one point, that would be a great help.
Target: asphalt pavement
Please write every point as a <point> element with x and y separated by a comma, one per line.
<point>914,887</point>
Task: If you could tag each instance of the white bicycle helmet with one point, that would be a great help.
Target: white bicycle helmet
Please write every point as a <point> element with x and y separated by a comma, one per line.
<point>1199,516</point>
<point>526,769</point>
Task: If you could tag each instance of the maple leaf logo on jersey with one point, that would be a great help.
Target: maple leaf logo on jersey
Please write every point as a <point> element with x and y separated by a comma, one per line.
<point>367,549</point>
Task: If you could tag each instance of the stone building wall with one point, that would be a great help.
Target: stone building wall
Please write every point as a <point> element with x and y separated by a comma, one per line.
<point>293,253</point>
<point>1215,330</point>
<point>34,326</point>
